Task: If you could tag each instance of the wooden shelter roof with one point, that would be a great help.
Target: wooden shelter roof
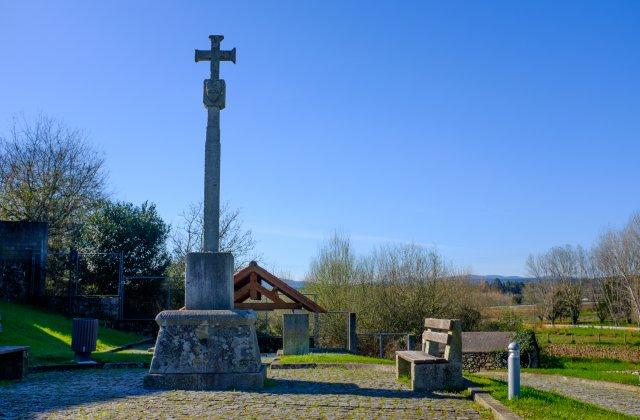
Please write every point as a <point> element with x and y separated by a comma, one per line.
<point>253,281</point>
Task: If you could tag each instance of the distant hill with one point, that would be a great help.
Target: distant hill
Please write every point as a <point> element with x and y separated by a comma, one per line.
<point>296,284</point>
<point>490,277</point>
<point>299,284</point>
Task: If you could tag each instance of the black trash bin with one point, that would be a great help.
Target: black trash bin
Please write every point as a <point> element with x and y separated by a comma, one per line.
<point>84,336</point>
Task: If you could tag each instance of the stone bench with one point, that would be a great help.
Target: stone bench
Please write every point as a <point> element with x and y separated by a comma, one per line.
<point>426,369</point>
<point>14,362</point>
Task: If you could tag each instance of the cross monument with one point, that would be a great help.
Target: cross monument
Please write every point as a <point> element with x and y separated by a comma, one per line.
<point>210,344</point>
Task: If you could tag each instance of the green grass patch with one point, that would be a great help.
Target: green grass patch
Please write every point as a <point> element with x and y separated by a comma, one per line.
<point>405,379</point>
<point>332,358</point>
<point>533,403</point>
<point>589,335</point>
<point>49,336</point>
<point>596,369</point>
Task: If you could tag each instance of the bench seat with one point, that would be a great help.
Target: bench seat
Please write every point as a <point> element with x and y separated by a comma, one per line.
<point>420,358</point>
<point>12,349</point>
<point>14,362</point>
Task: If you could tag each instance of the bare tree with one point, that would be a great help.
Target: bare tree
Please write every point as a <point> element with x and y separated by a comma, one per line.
<point>49,173</point>
<point>559,273</point>
<point>393,288</point>
<point>618,258</point>
<point>188,235</point>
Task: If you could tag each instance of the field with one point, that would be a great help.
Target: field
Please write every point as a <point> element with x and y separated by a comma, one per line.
<point>592,335</point>
<point>49,336</point>
<point>588,316</point>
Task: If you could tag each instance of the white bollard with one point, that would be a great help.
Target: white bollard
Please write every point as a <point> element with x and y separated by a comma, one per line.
<point>514,370</point>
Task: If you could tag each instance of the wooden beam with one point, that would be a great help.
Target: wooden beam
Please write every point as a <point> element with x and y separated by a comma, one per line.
<point>262,306</point>
<point>287,290</point>
<point>253,282</point>
<point>242,294</point>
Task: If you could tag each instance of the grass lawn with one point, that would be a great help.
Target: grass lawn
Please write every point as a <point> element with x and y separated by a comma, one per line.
<point>333,358</point>
<point>534,403</point>
<point>49,336</point>
<point>596,369</point>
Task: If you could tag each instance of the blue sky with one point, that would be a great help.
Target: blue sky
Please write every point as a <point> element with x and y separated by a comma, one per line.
<point>490,129</point>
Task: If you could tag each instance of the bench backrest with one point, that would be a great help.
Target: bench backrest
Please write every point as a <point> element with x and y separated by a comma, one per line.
<point>443,331</point>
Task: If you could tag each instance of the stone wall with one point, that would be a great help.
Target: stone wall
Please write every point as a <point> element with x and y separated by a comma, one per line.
<point>101,307</point>
<point>474,362</point>
<point>23,260</point>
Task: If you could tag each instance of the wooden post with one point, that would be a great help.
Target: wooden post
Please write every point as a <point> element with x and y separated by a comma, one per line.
<point>381,341</point>
<point>411,341</point>
<point>352,338</point>
<point>316,330</point>
<point>120,286</point>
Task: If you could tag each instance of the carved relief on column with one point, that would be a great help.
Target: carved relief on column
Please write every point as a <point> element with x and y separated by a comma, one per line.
<point>214,93</point>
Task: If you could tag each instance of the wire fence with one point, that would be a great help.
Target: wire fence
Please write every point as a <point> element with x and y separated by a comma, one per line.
<point>619,338</point>
<point>143,297</point>
<point>384,344</point>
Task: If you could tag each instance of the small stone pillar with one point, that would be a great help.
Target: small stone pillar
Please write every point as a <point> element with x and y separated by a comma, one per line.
<point>513,363</point>
<point>295,333</point>
<point>352,337</point>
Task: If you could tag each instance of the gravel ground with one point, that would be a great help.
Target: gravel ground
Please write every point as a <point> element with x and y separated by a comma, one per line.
<point>290,393</point>
<point>616,397</point>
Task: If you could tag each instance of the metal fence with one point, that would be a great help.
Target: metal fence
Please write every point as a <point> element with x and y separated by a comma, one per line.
<point>143,297</point>
<point>71,273</point>
<point>384,344</point>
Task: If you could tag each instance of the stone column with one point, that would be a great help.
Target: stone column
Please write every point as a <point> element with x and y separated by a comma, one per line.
<point>211,241</point>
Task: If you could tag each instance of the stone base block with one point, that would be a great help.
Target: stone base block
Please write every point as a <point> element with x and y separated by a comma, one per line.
<point>206,381</point>
<point>206,349</point>
<point>436,377</point>
<point>295,333</point>
<point>209,280</point>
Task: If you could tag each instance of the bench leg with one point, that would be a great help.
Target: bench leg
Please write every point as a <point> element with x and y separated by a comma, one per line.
<point>13,365</point>
<point>403,367</point>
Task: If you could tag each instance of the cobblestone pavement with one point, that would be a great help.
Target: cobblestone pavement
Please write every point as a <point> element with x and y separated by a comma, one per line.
<point>290,393</point>
<point>621,398</point>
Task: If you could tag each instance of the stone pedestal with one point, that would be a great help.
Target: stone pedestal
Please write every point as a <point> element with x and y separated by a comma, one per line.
<point>295,333</point>
<point>205,350</point>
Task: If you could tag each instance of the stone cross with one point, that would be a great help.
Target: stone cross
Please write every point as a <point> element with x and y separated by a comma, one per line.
<point>214,101</point>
